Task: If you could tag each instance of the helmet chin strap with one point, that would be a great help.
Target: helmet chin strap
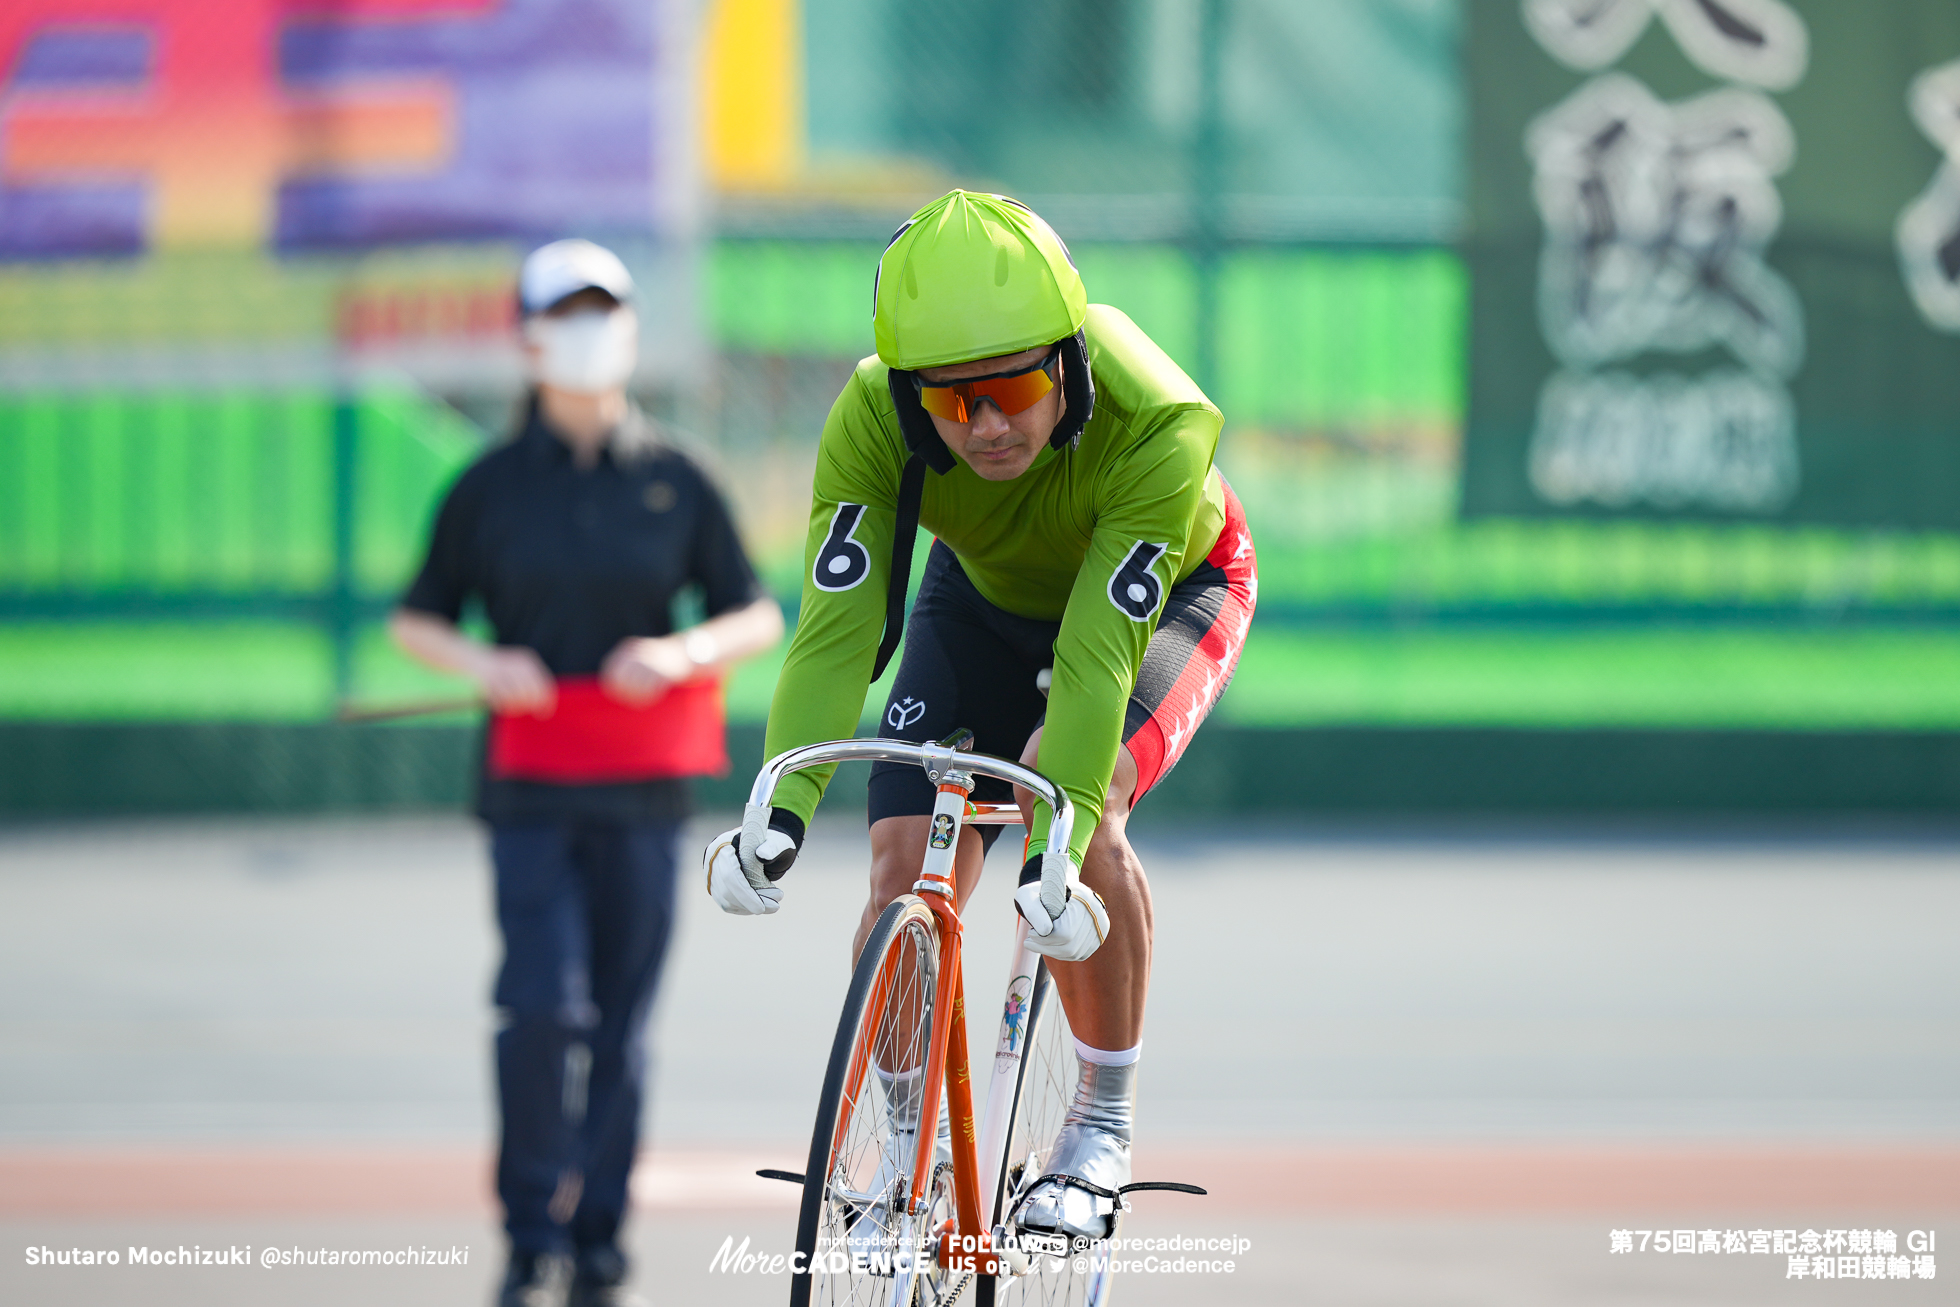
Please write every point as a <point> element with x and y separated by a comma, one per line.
<point>1078,393</point>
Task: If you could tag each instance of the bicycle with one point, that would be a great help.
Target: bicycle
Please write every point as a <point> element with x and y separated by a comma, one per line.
<point>879,1227</point>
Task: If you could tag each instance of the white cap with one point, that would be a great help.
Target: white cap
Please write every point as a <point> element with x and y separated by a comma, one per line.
<point>562,268</point>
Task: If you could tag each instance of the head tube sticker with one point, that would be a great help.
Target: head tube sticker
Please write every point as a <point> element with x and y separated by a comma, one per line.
<point>942,832</point>
<point>1135,589</point>
<point>842,562</point>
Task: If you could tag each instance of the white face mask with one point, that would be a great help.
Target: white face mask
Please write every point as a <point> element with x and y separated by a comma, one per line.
<point>589,352</point>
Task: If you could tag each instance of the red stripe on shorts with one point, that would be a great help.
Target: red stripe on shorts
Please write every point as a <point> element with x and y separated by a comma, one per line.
<point>1160,742</point>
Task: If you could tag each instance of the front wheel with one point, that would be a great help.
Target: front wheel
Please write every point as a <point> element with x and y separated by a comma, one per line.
<point>1043,1092</point>
<point>857,1241</point>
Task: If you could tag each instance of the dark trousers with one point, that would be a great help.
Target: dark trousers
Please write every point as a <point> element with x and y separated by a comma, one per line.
<point>586,910</point>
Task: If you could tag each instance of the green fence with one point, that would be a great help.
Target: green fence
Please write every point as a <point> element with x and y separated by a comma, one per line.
<point>1311,339</point>
<point>114,496</point>
<point>212,535</point>
<point>230,555</point>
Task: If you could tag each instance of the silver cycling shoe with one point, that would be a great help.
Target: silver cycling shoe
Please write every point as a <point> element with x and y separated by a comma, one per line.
<point>1075,1201</point>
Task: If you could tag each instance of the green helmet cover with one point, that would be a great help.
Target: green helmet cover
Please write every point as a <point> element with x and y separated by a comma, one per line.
<point>973,276</point>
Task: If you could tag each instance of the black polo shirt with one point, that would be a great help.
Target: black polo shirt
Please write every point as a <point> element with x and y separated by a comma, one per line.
<point>569,562</point>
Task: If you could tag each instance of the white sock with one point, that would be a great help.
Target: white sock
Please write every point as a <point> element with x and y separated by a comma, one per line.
<point>1103,1057</point>
<point>902,1093</point>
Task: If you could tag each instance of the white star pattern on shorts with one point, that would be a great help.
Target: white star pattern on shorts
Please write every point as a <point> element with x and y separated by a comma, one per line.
<point>1199,703</point>
<point>1251,600</point>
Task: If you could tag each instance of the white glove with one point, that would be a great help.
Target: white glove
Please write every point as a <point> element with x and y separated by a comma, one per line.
<point>1078,931</point>
<point>738,864</point>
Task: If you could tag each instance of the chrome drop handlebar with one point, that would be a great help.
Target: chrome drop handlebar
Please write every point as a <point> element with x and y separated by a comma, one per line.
<point>939,762</point>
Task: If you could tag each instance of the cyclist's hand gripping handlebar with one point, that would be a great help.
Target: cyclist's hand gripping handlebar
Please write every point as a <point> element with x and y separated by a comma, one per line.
<point>744,864</point>
<point>1066,919</point>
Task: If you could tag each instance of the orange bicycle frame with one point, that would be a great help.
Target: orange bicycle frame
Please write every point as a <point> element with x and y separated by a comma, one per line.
<point>963,1242</point>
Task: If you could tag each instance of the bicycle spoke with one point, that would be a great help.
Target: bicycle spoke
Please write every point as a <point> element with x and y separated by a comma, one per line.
<point>1047,1087</point>
<point>862,1225</point>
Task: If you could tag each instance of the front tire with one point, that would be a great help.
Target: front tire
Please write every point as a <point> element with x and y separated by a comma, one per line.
<point>854,1199</point>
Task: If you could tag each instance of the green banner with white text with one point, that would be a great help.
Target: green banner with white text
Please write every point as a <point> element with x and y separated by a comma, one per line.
<point>1714,249</point>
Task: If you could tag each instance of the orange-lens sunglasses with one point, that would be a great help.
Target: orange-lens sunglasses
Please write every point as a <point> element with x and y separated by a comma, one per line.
<point>1012,392</point>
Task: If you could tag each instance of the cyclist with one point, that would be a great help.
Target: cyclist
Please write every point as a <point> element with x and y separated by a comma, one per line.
<point>1083,606</point>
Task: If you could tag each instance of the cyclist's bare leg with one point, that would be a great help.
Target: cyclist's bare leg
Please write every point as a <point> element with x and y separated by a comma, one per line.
<point>1104,995</point>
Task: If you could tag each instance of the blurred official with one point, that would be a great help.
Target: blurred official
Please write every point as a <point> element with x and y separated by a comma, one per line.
<point>576,537</point>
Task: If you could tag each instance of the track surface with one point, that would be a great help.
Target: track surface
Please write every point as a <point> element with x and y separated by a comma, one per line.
<point>1412,1069</point>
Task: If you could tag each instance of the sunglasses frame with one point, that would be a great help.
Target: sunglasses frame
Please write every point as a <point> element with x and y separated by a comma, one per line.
<point>1042,364</point>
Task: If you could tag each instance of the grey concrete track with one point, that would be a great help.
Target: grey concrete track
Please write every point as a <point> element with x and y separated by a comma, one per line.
<point>330,978</point>
<point>324,984</point>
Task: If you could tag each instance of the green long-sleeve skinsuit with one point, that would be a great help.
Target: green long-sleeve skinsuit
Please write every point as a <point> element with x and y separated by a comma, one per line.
<point>1047,545</point>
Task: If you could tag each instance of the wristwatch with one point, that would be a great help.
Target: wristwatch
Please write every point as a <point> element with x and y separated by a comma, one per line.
<point>701,648</point>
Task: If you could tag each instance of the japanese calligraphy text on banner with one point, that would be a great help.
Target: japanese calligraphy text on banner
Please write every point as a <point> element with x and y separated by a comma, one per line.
<point>1715,258</point>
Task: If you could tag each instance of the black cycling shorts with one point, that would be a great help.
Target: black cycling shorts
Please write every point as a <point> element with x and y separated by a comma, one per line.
<point>970,664</point>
